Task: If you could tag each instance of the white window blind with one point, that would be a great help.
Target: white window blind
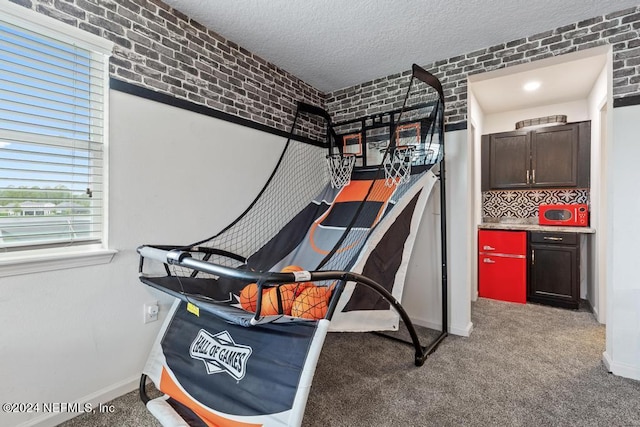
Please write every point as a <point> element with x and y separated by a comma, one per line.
<point>52,130</point>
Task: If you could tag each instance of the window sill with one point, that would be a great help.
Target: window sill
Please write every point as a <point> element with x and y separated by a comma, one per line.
<point>37,261</point>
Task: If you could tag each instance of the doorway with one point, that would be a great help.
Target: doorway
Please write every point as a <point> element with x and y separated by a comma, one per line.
<point>495,106</point>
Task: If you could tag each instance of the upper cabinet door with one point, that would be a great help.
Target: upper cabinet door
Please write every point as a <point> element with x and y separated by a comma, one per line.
<point>551,157</point>
<point>509,158</point>
<point>554,156</point>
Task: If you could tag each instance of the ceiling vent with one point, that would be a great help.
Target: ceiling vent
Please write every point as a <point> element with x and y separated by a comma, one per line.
<point>542,121</point>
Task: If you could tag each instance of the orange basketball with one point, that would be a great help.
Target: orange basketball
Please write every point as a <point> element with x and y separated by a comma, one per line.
<point>249,296</point>
<point>312,303</point>
<point>270,300</point>
<point>299,287</point>
<point>291,269</point>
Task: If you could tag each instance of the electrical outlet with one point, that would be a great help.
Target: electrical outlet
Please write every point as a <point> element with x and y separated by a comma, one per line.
<point>151,311</point>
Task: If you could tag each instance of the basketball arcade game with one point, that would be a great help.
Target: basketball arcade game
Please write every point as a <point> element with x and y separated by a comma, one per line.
<point>324,246</point>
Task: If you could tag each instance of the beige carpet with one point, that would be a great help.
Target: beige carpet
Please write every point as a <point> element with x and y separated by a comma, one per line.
<point>524,365</point>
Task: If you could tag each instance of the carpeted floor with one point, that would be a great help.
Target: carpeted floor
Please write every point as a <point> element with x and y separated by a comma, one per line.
<point>524,365</point>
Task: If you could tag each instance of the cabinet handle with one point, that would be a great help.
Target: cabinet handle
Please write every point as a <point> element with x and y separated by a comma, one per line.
<point>527,176</point>
<point>488,261</point>
<point>488,248</point>
<point>555,239</point>
<point>533,256</point>
<point>533,177</point>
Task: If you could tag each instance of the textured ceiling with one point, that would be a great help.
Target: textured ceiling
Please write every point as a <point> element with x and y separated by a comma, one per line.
<point>332,44</point>
<point>569,79</point>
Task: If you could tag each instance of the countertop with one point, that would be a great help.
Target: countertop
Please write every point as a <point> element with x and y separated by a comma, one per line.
<point>534,227</point>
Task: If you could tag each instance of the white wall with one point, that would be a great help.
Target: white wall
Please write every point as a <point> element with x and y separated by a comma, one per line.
<point>576,111</point>
<point>77,335</point>
<point>622,355</point>
<point>476,130</point>
<point>459,213</point>
<point>598,99</point>
<point>418,298</point>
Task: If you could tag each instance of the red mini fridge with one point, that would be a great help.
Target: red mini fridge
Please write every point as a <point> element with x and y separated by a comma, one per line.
<point>502,265</point>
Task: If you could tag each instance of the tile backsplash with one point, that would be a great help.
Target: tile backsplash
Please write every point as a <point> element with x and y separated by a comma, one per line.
<point>522,205</point>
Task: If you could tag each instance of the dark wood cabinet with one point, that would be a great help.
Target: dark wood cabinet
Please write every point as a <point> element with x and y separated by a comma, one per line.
<point>554,156</point>
<point>548,157</point>
<point>554,269</point>
<point>509,156</point>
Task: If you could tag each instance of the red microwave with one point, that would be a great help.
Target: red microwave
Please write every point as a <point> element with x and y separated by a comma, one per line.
<point>575,215</point>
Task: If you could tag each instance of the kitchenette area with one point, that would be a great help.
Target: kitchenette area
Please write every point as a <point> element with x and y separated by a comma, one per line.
<point>533,241</point>
<point>520,181</point>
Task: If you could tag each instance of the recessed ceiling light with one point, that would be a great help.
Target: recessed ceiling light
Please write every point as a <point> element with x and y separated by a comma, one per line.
<point>531,86</point>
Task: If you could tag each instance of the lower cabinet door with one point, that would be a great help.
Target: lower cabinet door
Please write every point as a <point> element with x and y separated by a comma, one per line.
<point>554,275</point>
<point>502,278</point>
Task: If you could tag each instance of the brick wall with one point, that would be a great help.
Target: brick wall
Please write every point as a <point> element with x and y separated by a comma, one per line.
<point>619,29</point>
<point>159,48</point>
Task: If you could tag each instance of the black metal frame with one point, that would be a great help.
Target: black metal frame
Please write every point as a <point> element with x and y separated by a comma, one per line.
<point>181,256</point>
<point>184,259</point>
<point>377,120</point>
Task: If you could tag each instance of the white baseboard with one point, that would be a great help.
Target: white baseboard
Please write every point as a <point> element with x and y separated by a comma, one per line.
<point>621,369</point>
<point>95,399</point>
<point>463,331</point>
<point>453,329</point>
<point>606,361</point>
<point>596,314</point>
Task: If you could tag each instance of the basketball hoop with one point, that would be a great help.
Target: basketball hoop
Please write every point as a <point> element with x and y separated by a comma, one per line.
<point>397,165</point>
<point>340,169</point>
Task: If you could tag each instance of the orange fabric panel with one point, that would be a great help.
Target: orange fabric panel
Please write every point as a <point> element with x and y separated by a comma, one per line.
<point>312,242</point>
<point>168,386</point>
<point>356,191</point>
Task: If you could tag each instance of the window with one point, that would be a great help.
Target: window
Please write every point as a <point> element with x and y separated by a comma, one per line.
<point>53,91</point>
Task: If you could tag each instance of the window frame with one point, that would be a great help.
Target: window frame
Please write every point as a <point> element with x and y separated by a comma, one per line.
<point>33,260</point>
